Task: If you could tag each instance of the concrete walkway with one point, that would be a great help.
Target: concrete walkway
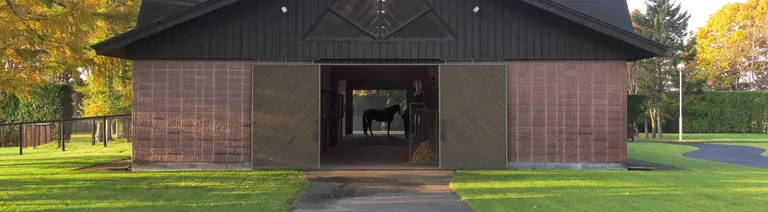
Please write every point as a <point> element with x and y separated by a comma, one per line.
<point>739,155</point>
<point>386,191</point>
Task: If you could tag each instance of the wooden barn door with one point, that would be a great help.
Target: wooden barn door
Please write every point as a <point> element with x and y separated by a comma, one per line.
<point>473,116</point>
<point>286,116</point>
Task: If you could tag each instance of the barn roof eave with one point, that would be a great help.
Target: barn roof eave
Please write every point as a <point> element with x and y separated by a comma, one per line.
<point>116,46</point>
<point>645,45</point>
<point>118,43</point>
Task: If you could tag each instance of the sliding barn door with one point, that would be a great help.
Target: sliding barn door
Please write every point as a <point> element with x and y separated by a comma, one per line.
<point>285,116</point>
<point>473,116</point>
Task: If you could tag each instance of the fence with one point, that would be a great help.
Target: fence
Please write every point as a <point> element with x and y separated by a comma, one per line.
<point>39,133</point>
<point>36,134</point>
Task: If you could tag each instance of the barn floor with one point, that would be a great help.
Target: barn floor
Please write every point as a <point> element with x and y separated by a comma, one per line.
<point>379,190</point>
<point>374,152</point>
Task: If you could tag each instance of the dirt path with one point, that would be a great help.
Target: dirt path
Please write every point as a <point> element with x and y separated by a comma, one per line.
<point>121,165</point>
<point>390,191</point>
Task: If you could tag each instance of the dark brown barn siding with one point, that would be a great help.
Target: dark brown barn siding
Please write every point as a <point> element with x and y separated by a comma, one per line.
<point>286,116</point>
<point>192,112</point>
<point>503,30</point>
<point>567,112</point>
<point>473,116</point>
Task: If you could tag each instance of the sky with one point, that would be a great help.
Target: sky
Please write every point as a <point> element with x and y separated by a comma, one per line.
<point>700,10</point>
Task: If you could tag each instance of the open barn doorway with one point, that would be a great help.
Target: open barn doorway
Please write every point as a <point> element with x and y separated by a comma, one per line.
<point>401,99</point>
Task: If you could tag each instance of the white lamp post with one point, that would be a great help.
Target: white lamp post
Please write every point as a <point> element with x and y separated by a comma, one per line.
<point>680,68</point>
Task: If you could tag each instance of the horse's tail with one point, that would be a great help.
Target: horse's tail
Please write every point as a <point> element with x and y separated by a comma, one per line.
<point>365,124</point>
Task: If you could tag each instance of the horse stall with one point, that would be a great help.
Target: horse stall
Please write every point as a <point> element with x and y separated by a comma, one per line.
<point>380,148</point>
<point>422,134</point>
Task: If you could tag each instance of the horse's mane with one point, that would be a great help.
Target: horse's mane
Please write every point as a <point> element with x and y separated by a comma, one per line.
<point>392,107</point>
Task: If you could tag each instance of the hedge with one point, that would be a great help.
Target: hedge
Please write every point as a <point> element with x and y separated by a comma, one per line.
<point>727,112</point>
<point>634,112</point>
<point>48,101</point>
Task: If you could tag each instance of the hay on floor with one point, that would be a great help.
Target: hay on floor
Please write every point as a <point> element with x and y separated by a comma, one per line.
<point>425,154</point>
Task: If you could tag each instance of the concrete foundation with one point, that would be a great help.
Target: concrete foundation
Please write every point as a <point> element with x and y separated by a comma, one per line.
<point>567,166</point>
<point>189,166</point>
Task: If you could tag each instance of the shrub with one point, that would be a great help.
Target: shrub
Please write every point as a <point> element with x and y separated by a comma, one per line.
<point>727,112</point>
<point>48,101</point>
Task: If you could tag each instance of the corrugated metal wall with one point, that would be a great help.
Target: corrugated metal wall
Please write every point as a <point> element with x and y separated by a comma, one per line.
<point>503,30</point>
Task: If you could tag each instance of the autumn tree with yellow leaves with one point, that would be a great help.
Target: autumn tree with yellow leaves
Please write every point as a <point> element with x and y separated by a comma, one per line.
<point>733,47</point>
<point>48,41</point>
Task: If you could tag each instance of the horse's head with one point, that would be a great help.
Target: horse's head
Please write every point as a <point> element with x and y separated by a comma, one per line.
<point>395,108</point>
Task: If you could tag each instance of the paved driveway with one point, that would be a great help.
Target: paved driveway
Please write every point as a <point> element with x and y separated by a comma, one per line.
<point>739,155</point>
<point>386,191</point>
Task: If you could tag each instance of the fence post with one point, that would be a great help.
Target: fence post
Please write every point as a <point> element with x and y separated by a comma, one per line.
<point>93,132</point>
<point>104,130</point>
<point>34,136</point>
<point>63,143</point>
<point>59,139</point>
<point>129,130</point>
<point>21,139</point>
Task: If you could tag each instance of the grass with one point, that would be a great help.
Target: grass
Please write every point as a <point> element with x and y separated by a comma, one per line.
<point>46,179</point>
<point>702,186</point>
<point>712,137</point>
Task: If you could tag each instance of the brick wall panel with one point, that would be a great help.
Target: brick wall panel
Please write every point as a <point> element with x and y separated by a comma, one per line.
<point>567,111</point>
<point>192,111</point>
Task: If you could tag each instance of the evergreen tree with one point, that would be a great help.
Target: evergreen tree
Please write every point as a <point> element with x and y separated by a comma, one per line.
<point>665,22</point>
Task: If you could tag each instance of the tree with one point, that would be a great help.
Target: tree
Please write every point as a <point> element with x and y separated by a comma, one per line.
<point>733,47</point>
<point>49,41</point>
<point>666,23</point>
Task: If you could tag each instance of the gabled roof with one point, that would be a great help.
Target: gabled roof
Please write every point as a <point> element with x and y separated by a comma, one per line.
<point>119,42</point>
<point>152,10</point>
<point>613,12</point>
<point>610,17</point>
<point>614,31</point>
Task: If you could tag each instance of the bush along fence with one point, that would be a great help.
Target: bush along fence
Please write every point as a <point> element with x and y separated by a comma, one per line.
<point>727,112</point>
<point>48,101</point>
<point>34,134</point>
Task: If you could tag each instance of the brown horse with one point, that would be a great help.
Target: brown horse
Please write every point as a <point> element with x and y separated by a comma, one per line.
<point>381,115</point>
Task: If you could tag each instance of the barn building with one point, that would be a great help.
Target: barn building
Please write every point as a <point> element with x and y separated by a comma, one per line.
<point>495,84</point>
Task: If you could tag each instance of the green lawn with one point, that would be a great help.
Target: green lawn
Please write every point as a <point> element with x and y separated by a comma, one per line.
<point>702,186</point>
<point>45,179</point>
<point>712,137</point>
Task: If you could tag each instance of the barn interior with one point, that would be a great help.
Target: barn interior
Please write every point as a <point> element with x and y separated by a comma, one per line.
<point>342,142</point>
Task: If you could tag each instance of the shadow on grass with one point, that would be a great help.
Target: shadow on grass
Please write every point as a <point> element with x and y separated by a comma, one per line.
<point>613,190</point>
<point>166,191</point>
<point>49,180</point>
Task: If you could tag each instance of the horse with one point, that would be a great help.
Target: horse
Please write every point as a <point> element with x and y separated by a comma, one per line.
<point>406,121</point>
<point>385,115</point>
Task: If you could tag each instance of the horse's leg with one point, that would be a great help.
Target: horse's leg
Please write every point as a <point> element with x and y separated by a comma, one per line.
<point>370,126</point>
<point>388,127</point>
<point>365,129</point>
<point>405,126</point>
